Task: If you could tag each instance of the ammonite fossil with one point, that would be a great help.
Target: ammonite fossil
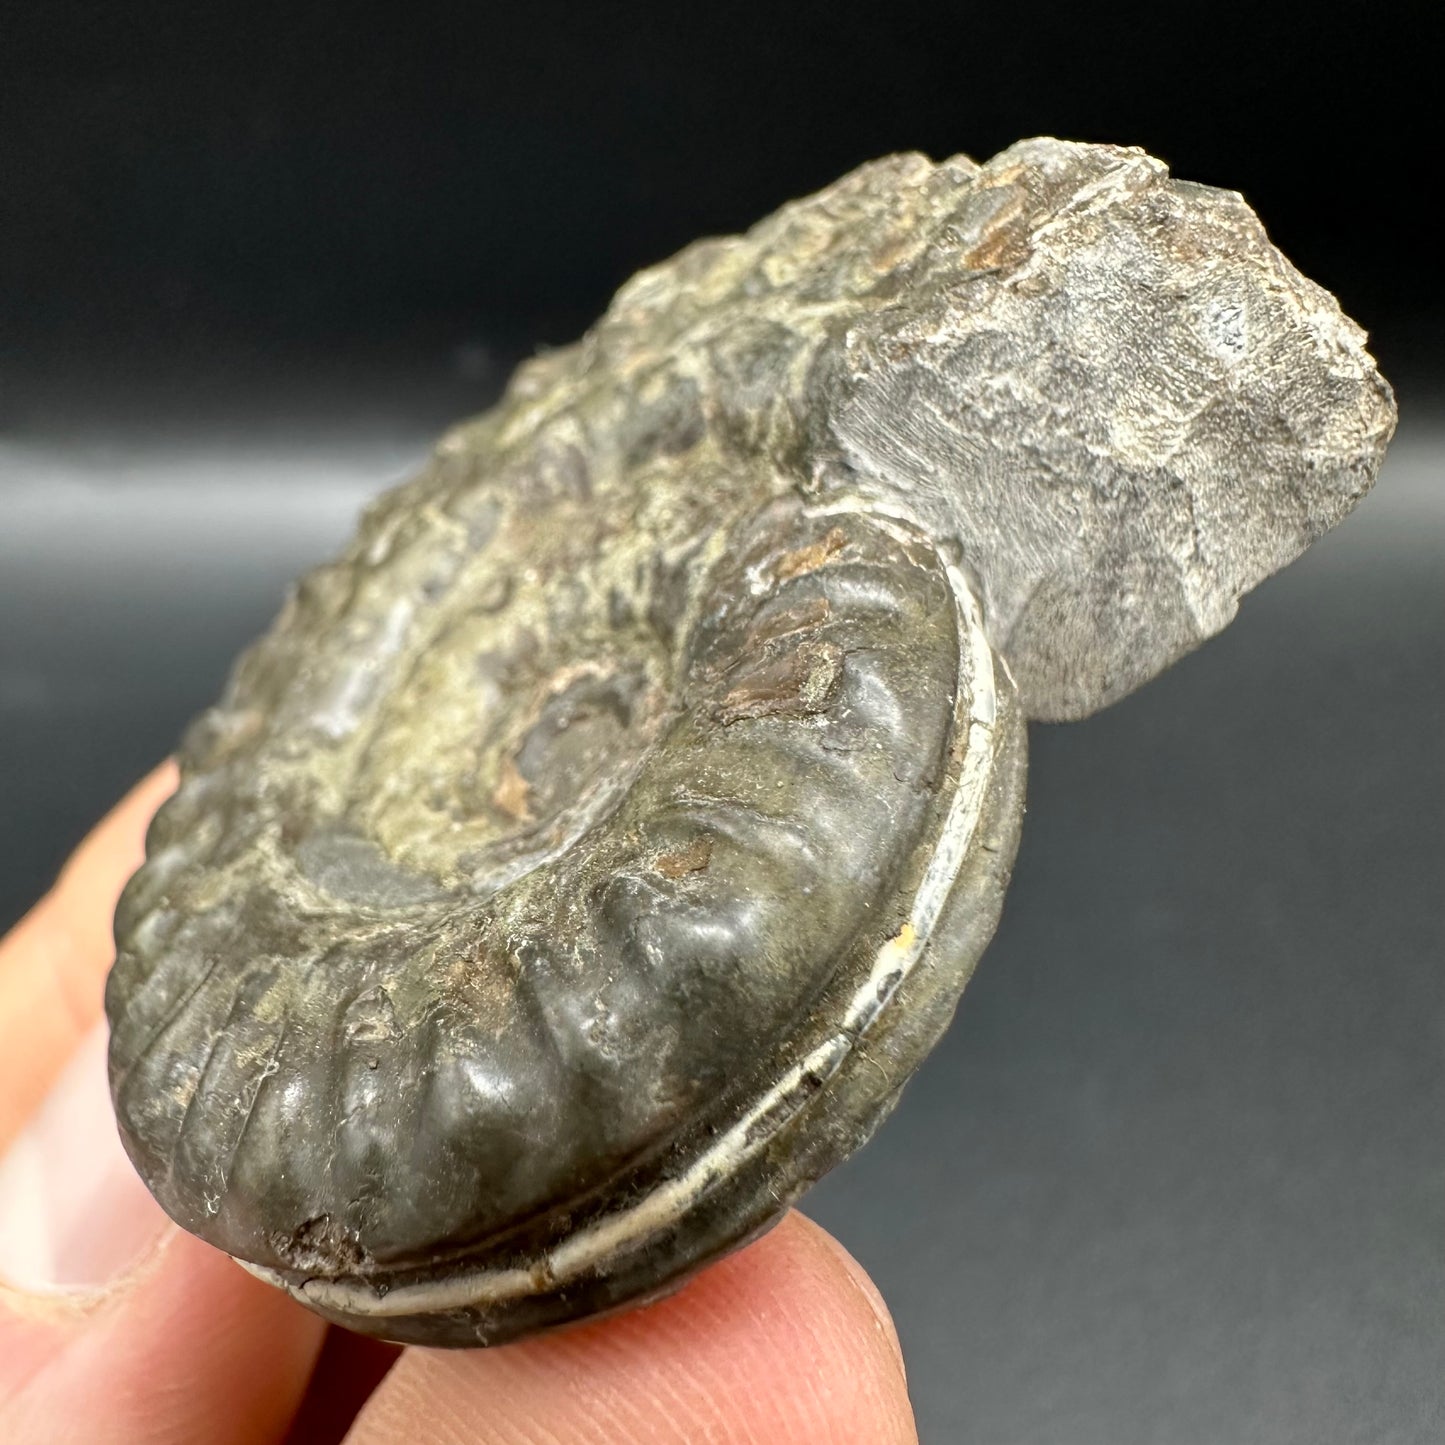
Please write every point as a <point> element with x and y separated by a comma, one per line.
<point>582,863</point>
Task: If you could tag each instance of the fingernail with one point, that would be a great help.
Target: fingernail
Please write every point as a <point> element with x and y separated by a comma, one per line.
<point>74,1215</point>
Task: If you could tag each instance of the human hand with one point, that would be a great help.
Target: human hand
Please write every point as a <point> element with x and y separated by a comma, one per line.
<point>115,1326</point>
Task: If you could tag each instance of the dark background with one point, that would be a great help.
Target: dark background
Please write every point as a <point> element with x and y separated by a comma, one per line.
<point>194,184</point>
<point>1176,1174</point>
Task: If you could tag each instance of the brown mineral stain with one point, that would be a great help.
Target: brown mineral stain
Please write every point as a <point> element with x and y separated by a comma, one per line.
<point>1004,242</point>
<point>995,180</point>
<point>694,858</point>
<point>807,616</point>
<point>512,795</point>
<point>811,557</point>
<point>796,683</point>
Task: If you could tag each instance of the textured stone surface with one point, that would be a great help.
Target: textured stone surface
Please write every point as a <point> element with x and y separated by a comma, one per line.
<point>583,862</point>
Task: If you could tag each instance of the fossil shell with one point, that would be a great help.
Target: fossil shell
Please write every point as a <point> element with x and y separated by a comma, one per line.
<point>582,863</point>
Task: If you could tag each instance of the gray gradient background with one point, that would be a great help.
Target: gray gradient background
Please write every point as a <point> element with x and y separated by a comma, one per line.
<point>1175,1175</point>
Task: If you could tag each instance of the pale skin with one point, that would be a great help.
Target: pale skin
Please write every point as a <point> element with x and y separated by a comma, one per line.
<point>787,1341</point>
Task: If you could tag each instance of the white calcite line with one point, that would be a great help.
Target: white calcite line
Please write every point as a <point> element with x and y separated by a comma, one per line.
<point>611,1234</point>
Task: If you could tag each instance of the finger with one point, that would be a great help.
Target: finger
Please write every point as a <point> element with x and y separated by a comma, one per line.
<point>784,1343</point>
<point>184,1347</point>
<point>349,1369</point>
<point>53,963</point>
<point>114,1325</point>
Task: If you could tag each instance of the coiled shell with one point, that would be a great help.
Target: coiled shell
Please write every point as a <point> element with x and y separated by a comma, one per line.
<point>583,862</point>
